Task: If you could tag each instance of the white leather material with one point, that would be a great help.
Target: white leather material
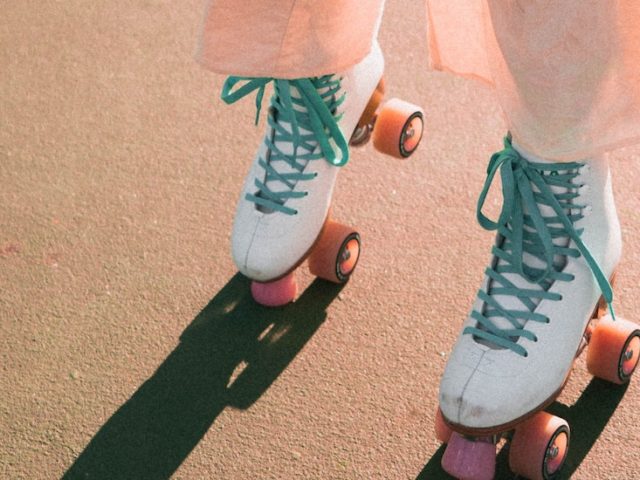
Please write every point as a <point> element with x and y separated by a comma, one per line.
<point>266,246</point>
<point>484,386</point>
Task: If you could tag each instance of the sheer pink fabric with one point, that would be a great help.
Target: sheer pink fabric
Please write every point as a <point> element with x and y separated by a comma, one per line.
<point>566,72</point>
<point>287,38</point>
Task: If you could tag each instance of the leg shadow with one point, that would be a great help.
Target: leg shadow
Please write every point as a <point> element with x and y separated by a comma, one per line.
<point>587,418</point>
<point>228,356</point>
<point>432,470</point>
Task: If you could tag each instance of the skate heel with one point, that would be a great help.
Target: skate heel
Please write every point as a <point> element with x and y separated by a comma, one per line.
<point>395,126</point>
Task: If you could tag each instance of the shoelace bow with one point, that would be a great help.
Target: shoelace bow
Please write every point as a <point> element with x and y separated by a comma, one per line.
<point>520,208</point>
<point>316,113</point>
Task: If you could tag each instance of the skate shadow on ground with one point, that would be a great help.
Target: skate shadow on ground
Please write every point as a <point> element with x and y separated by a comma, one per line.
<point>228,356</point>
<point>587,419</point>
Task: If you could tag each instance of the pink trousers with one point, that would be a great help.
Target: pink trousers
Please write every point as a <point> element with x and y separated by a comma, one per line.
<point>566,72</point>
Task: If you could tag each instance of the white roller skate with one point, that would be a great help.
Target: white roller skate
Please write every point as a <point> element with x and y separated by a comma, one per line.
<point>282,214</point>
<point>558,243</point>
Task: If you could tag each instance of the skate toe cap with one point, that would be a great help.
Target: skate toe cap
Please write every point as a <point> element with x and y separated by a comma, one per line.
<point>473,408</point>
<point>265,261</point>
<point>476,396</point>
<point>265,268</point>
<point>492,400</point>
<point>452,388</point>
<point>267,247</point>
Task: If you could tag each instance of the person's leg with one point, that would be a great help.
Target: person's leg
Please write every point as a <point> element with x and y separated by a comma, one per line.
<point>567,74</point>
<point>324,63</point>
<point>568,92</point>
<point>287,38</point>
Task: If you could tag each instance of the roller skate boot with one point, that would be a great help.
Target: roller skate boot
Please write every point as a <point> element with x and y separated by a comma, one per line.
<point>545,296</point>
<point>282,217</point>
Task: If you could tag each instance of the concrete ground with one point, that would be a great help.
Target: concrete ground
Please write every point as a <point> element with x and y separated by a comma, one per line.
<point>130,347</point>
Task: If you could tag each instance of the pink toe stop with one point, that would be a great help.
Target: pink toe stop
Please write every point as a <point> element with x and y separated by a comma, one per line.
<point>470,459</point>
<point>276,293</point>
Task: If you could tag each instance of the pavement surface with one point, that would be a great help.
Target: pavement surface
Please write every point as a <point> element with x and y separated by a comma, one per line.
<point>130,347</point>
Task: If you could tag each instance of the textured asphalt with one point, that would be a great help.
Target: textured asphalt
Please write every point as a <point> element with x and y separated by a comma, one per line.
<point>129,346</point>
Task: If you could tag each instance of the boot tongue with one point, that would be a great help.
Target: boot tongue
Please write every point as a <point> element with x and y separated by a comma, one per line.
<point>509,302</point>
<point>287,147</point>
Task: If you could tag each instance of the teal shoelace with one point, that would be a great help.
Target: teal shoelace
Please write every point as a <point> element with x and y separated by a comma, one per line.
<point>313,132</point>
<point>526,231</point>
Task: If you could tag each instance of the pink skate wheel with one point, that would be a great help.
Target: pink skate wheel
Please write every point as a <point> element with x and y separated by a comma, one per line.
<point>398,128</point>
<point>336,253</point>
<point>443,431</point>
<point>614,349</point>
<point>539,447</point>
<point>276,293</point>
<point>470,459</point>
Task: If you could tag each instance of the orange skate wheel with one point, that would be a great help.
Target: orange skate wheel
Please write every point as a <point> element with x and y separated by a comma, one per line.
<point>539,447</point>
<point>614,349</point>
<point>336,254</point>
<point>398,128</point>
<point>443,431</point>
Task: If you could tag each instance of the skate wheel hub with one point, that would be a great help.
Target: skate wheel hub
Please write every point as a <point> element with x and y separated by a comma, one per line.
<point>348,256</point>
<point>411,138</point>
<point>629,359</point>
<point>556,453</point>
